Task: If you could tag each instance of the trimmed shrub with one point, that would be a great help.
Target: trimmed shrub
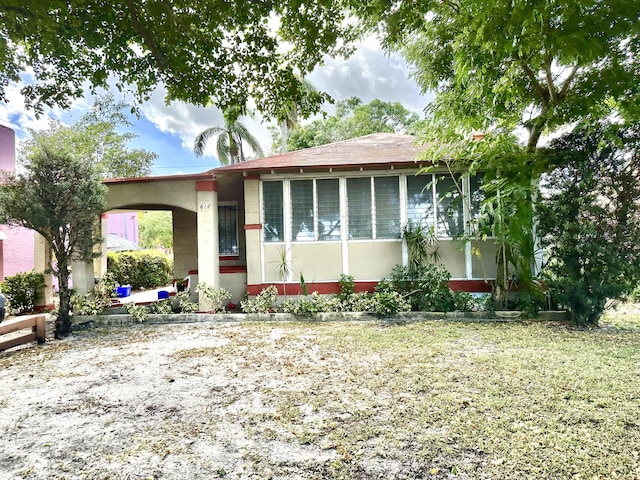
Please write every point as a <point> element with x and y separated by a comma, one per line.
<point>426,288</point>
<point>310,305</point>
<point>140,269</point>
<point>22,291</point>
<point>264,302</point>
<point>216,296</point>
<point>94,302</point>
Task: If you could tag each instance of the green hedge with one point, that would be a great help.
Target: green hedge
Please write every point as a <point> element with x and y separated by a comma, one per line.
<point>22,291</point>
<point>140,269</point>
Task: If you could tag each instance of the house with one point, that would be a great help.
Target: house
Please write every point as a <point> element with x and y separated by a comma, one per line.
<point>319,212</point>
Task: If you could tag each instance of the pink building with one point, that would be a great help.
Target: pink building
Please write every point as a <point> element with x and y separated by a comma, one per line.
<point>124,225</point>
<point>17,250</point>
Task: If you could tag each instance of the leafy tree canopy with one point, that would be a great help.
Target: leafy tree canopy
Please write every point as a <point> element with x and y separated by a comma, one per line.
<point>95,138</point>
<point>221,52</point>
<point>354,119</point>
<point>156,229</point>
<point>510,63</point>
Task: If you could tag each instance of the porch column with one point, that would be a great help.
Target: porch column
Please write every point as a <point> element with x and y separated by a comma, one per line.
<point>100,263</point>
<point>82,275</point>
<point>208,249</point>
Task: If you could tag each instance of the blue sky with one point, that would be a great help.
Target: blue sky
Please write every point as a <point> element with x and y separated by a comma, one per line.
<point>169,130</point>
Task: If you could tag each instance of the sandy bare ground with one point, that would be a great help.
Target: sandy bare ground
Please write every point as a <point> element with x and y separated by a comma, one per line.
<point>334,400</point>
<point>170,402</point>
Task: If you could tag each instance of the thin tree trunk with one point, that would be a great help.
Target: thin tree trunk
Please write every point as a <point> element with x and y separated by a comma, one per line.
<point>63,322</point>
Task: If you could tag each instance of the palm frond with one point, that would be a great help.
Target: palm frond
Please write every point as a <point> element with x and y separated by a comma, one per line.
<point>202,138</point>
<point>222,148</point>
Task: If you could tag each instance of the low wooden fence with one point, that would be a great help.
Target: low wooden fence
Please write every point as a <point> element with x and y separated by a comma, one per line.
<point>37,334</point>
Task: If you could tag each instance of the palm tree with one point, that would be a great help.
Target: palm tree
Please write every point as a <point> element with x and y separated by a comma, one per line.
<point>231,138</point>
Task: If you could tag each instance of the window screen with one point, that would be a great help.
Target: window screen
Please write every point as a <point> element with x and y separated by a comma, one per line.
<point>359,207</point>
<point>420,200</point>
<point>302,224</point>
<point>387,195</point>
<point>328,192</point>
<point>449,206</point>
<point>272,207</point>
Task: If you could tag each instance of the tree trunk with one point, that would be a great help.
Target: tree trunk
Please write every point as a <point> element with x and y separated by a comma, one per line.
<point>63,322</point>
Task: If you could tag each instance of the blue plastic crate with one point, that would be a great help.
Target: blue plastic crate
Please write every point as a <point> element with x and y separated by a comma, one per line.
<point>123,291</point>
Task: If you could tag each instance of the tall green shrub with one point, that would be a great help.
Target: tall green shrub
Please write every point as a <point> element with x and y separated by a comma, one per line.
<point>589,218</point>
<point>140,269</point>
<point>22,291</point>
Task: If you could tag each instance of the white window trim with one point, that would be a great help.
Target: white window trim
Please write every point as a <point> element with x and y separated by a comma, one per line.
<point>343,205</point>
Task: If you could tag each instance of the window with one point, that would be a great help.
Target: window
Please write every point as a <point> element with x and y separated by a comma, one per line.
<point>302,216</point>
<point>228,229</point>
<point>273,207</point>
<point>449,206</point>
<point>387,195</point>
<point>359,207</point>
<point>379,207</point>
<point>374,207</point>
<point>328,193</point>
<point>420,200</point>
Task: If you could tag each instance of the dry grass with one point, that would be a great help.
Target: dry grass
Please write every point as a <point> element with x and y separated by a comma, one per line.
<point>326,400</point>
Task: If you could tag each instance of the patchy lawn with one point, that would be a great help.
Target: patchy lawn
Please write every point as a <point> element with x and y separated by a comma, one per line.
<point>362,400</point>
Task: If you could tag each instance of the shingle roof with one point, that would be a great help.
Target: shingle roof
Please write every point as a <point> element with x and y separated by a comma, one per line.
<point>377,149</point>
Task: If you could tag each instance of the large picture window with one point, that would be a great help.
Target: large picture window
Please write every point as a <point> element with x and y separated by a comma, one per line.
<point>375,208</point>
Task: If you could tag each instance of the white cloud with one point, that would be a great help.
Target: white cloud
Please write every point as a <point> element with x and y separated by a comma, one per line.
<point>181,119</point>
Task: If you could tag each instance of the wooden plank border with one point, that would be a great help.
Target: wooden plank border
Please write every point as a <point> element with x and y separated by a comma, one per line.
<point>37,334</point>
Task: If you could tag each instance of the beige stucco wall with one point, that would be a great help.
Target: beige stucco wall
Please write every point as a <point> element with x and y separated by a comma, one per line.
<point>185,242</point>
<point>254,258</point>
<point>373,260</point>
<point>253,237</point>
<point>452,256</point>
<point>252,201</point>
<point>175,193</point>
<point>273,258</point>
<point>235,284</point>
<point>484,259</point>
<point>317,262</point>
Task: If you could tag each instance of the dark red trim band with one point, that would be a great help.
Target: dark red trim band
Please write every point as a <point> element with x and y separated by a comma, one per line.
<point>327,288</point>
<point>228,258</point>
<point>42,308</point>
<point>206,186</point>
<point>233,269</point>
<point>479,286</point>
<point>253,226</point>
